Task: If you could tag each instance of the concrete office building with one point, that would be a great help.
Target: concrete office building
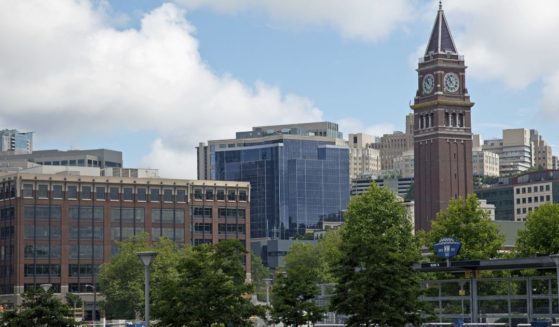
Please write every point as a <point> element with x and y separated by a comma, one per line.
<point>515,150</point>
<point>15,142</point>
<point>298,173</point>
<point>515,197</point>
<point>362,158</point>
<point>58,228</point>
<point>101,158</point>
<point>543,155</point>
<point>404,164</point>
<point>398,185</point>
<point>393,145</point>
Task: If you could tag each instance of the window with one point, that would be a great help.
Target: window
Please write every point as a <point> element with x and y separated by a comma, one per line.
<point>86,251</point>
<point>86,192</point>
<point>548,198</point>
<point>547,188</point>
<point>210,194</point>
<point>200,212</point>
<point>518,211</point>
<point>231,195</point>
<point>127,194</point>
<point>220,195</point>
<point>242,195</point>
<point>75,270</point>
<point>167,195</point>
<point>517,191</point>
<point>523,200</point>
<point>42,251</point>
<point>42,270</point>
<point>41,232</point>
<point>541,188</point>
<point>198,194</point>
<point>231,213</point>
<point>167,216</point>
<point>141,194</point>
<point>517,201</point>
<point>523,210</point>
<point>43,191</point>
<point>154,195</point>
<point>536,199</point>
<point>181,195</point>
<point>100,193</point>
<point>202,241</point>
<point>529,189</point>
<point>541,198</point>
<point>113,194</point>
<point>523,190</point>
<point>86,213</point>
<point>86,232</point>
<point>72,192</point>
<point>42,212</point>
<point>27,190</point>
<point>57,191</point>
<point>203,228</point>
<point>231,228</point>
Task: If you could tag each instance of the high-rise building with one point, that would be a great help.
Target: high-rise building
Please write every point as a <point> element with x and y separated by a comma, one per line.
<point>362,158</point>
<point>442,127</point>
<point>515,150</point>
<point>393,145</point>
<point>58,228</point>
<point>16,142</point>
<point>298,174</point>
<point>543,156</point>
<point>404,164</point>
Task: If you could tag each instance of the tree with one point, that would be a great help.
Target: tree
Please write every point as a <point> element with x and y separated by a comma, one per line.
<point>122,280</point>
<point>329,253</point>
<point>259,274</point>
<point>295,289</point>
<point>208,288</point>
<point>539,236</point>
<point>377,284</point>
<point>73,301</point>
<point>466,222</point>
<point>39,309</point>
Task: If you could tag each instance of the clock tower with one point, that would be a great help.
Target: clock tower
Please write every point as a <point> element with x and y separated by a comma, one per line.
<point>442,127</point>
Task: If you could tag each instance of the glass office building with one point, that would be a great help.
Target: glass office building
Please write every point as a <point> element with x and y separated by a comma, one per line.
<point>296,180</point>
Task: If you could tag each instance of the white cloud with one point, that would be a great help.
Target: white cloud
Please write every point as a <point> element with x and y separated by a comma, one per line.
<point>370,20</point>
<point>65,71</point>
<point>510,41</point>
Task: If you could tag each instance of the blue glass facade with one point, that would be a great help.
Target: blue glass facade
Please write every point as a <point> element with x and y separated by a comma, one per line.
<point>293,182</point>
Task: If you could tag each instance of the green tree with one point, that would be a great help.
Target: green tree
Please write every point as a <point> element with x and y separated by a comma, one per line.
<point>209,288</point>
<point>259,274</point>
<point>39,309</point>
<point>294,291</point>
<point>466,222</point>
<point>329,253</point>
<point>122,280</point>
<point>539,236</point>
<point>377,284</point>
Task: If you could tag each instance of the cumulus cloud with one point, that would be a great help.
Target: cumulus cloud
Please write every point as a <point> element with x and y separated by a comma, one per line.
<point>510,41</point>
<point>351,125</point>
<point>67,72</point>
<point>369,20</point>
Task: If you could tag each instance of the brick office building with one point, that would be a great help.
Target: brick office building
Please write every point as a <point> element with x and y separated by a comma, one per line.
<point>57,229</point>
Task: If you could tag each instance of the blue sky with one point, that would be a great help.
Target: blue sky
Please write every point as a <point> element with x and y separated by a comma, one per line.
<point>153,79</point>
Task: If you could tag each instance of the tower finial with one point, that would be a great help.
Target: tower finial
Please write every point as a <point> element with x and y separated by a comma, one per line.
<point>440,4</point>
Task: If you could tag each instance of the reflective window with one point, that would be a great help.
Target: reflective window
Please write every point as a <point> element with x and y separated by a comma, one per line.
<point>86,213</point>
<point>198,194</point>
<point>154,195</point>
<point>86,232</point>
<point>127,194</point>
<point>113,194</point>
<point>181,195</point>
<point>141,194</point>
<point>42,212</point>
<point>86,251</point>
<point>231,195</point>
<point>41,232</point>
<point>72,192</point>
<point>210,194</point>
<point>242,195</point>
<point>220,195</point>
<point>43,191</point>
<point>41,270</point>
<point>27,190</point>
<point>57,191</point>
<point>100,193</point>
<point>202,212</point>
<point>42,251</point>
<point>203,227</point>
<point>86,192</point>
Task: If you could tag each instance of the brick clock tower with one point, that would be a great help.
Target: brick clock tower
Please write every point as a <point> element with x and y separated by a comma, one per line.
<point>442,127</point>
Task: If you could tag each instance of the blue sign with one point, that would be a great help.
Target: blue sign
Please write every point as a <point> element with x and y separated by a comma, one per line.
<point>447,248</point>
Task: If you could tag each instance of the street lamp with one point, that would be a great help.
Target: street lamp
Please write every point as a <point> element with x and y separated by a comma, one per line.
<point>268,281</point>
<point>94,312</point>
<point>555,258</point>
<point>146,258</point>
<point>46,287</point>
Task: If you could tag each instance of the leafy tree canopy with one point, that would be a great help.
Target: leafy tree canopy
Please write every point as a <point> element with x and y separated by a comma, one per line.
<point>376,282</point>
<point>466,222</point>
<point>540,233</point>
<point>208,288</point>
<point>295,288</point>
<point>39,309</point>
<point>122,280</point>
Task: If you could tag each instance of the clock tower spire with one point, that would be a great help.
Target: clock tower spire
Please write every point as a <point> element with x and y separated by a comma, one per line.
<point>442,127</point>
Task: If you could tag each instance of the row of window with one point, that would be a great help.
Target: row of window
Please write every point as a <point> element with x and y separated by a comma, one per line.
<point>534,199</point>
<point>222,228</point>
<point>116,193</point>
<point>205,212</point>
<point>525,210</point>
<point>535,188</point>
<point>219,195</point>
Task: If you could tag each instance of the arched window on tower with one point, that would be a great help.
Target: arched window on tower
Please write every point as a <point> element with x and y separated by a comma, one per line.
<point>453,120</point>
<point>446,119</point>
<point>460,120</point>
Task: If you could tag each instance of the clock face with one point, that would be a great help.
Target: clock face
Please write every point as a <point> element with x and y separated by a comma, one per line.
<point>428,83</point>
<point>451,82</point>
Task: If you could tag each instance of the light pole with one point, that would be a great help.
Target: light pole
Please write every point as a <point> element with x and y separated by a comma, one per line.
<point>555,258</point>
<point>268,281</point>
<point>46,287</point>
<point>94,312</point>
<point>146,258</point>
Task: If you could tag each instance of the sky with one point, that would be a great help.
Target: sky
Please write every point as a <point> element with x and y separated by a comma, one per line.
<point>153,79</point>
